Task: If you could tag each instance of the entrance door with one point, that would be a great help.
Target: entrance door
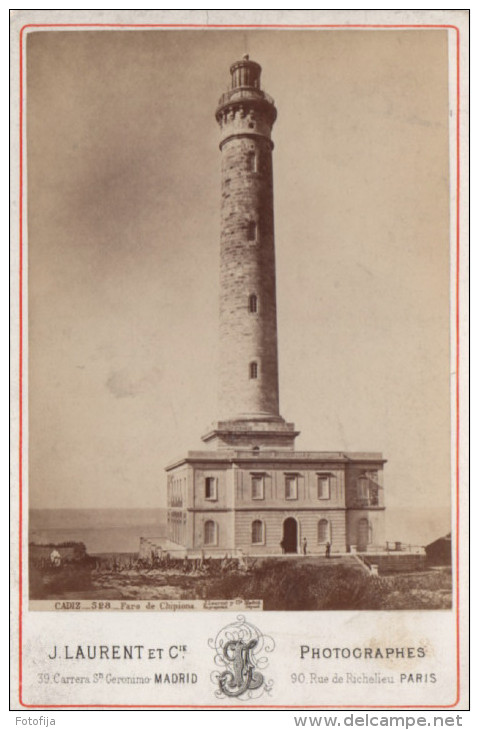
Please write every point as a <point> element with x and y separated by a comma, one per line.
<point>290,535</point>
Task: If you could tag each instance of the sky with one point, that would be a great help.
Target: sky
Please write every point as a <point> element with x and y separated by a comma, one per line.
<point>123,171</point>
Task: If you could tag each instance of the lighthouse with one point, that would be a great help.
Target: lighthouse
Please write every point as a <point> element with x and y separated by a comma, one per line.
<point>248,400</point>
<point>249,491</point>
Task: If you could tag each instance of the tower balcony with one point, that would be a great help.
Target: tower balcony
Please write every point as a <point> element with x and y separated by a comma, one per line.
<point>243,102</point>
<point>244,93</point>
<point>245,109</point>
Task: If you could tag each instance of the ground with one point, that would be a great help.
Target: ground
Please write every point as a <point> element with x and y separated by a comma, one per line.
<point>283,584</point>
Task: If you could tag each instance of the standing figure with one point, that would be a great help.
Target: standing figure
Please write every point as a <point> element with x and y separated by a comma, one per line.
<point>328,549</point>
<point>305,546</point>
<point>55,558</point>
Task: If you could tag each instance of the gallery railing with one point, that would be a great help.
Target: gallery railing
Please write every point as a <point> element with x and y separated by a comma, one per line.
<point>243,94</point>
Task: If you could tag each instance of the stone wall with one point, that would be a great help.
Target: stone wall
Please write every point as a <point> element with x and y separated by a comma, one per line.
<point>247,268</point>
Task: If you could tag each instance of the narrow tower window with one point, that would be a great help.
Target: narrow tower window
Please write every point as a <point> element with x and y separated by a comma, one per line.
<point>252,162</point>
<point>252,230</point>
<point>253,303</point>
<point>253,370</point>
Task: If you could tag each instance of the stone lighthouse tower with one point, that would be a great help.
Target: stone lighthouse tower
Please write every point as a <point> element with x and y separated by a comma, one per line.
<point>249,491</point>
<point>248,405</point>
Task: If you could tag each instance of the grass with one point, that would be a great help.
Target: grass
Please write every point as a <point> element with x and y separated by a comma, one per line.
<point>282,585</point>
<point>291,587</point>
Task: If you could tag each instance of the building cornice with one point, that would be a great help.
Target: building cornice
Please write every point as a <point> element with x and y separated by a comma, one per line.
<point>261,508</point>
<point>265,460</point>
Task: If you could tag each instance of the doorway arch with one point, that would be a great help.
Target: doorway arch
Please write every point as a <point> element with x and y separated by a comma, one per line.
<point>290,535</point>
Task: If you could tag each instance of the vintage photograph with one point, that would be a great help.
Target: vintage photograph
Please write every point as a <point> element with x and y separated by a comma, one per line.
<point>239,317</point>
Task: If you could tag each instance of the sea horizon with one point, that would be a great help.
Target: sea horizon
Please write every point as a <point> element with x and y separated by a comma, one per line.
<point>119,529</point>
<point>102,530</point>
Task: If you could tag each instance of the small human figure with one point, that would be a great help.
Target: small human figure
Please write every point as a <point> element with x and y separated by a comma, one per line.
<point>241,560</point>
<point>305,546</point>
<point>55,558</point>
<point>282,544</point>
<point>328,549</point>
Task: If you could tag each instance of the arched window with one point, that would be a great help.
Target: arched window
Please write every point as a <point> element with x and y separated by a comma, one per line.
<point>251,230</point>
<point>257,532</point>
<point>324,531</point>
<point>253,370</point>
<point>365,533</point>
<point>211,533</point>
<point>253,303</point>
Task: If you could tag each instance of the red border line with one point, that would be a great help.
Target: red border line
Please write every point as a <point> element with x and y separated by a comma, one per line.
<point>20,364</point>
<point>458,262</point>
<point>212,25</point>
<point>206,27</point>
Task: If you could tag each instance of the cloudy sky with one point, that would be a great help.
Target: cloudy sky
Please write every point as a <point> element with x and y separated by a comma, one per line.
<point>123,253</point>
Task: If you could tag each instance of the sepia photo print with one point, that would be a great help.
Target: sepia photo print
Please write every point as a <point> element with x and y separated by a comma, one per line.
<point>239,335</point>
<point>235,393</point>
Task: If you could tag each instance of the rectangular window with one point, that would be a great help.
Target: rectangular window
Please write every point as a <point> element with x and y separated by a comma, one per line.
<point>252,230</point>
<point>324,490</point>
<point>211,491</point>
<point>257,487</point>
<point>291,486</point>
<point>363,488</point>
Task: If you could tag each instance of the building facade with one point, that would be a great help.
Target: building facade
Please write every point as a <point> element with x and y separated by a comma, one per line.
<point>249,489</point>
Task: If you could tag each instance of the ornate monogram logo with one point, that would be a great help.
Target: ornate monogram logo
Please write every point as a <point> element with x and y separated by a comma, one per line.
<point>240,650</point>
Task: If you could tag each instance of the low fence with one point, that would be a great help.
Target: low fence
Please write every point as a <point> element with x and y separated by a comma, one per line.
<point>152,548</point>
<point>400,562</point>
